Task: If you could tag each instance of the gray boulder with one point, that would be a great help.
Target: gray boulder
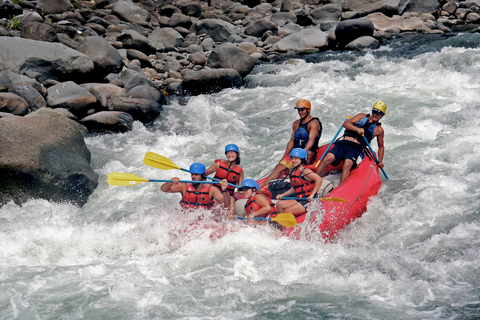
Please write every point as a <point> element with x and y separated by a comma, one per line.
<point>70,96</point>
<point>229,55</point>
<point>128,11</point>
<point>47,61</point>
<point>383,23</point>
<point>105,93</point>
<point>210,80</point>
<point>131,78</point>
<point>11,103</point>
<point>146,92</point>
<point>132,39</point>
<point>306,38</point>
<point>144,110</point>
<point>108,122</point>
<point>217,29</point>
<point>349,30</point>
<point>34,99</point>
<point>105,57</point>
<point>8,79</point>
<point>39,31</point>
<point>362,43</point>
<point>420,6</point>
<point>360,9</point>
<point>165,39</point>
<point>327,12</point>
<point>44,156</point>
<point>282,18</point>
<point>54,6</point>
<point>258,27</point>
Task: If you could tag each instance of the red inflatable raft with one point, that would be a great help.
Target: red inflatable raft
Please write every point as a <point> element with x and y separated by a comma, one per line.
<point>363,183</point>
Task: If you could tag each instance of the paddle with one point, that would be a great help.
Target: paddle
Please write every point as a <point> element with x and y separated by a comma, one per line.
<point>331,142</point>
<point>128,179</point>
<point>285,219</point>
<point>152,159</point>
<point>373,153</point>
<point>321,199</point>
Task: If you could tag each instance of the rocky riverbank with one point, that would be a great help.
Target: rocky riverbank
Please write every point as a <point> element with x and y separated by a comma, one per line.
<point>97,66</point>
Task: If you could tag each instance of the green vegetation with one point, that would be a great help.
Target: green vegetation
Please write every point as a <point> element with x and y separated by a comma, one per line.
<point>14,23</point>
<point>16,1</point>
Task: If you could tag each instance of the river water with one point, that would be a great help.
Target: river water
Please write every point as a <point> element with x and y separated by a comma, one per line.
<point>415,253</point>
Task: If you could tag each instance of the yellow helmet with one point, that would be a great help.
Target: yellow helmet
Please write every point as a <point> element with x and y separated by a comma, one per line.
<point>302,103</point>
<point>380,106</point>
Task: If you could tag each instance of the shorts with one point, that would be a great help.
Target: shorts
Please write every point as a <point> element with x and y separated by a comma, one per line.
<point>345,149</point>
<point>287,161</point>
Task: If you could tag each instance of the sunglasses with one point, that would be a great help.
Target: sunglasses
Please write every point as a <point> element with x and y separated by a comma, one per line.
<point>377,112</point>
<point>300,109</point>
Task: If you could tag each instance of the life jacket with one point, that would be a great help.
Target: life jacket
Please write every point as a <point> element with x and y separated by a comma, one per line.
<point>196,198</point>
<point>367,126</point>
<point>302,187</point>
<point>301,136</point>
<point>231,174</point>
<point>252,206</point>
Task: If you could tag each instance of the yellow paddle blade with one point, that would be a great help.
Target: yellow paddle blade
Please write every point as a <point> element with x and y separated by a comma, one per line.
<point>124,179</point>
<point>333,199</point>
<point>285,219</point>
<point>160,162</point>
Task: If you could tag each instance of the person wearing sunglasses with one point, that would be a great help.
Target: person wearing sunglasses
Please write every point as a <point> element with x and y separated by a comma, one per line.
<point>306,133</point>
<point>352,145</point>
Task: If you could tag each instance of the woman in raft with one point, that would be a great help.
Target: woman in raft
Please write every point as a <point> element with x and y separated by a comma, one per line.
<point>305,184</point>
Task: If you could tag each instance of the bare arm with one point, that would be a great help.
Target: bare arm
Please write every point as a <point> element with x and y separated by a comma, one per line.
<point>263,202</point>
<point>213,168</point>
<point>350,123</point>
<point>174,186</point>
<point>312,176</point>
<point>381,147</point>
<point>292,137</point>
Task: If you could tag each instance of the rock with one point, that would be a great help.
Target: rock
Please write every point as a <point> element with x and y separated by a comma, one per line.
<point>327,12</point>
<point>9,10</point>
<point>364,42</point>
<point>210,80</point>
<point>70,96</point>
<point>132,39</point>
<point>8,79</point>
<point>104,93</point>
<point>381,22</point>
<point>43,155</point>
<point>47,61</point>
<point>144,110</point>
<point>165,39</point>
<point>128,11</point>
<point>146,92</point>
<point>349,30</point>
<point>229,55</point>
<point>108,122</point>
<point>217,29</point>
<point>198,58</point>
<point>362,8</point>
<point>420,6</point>
<point>33,98</point>
<point>53,6</point>
<point>105,57</point>
<point>133,54</point>
<point>39,31</point>
<point>306,38</point>
<point>12,103</point>
<point>132,79</point>
<point>259,27</point>
<point>282,18</point>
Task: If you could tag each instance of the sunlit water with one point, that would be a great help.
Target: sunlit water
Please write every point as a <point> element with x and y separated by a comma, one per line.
<point>129,254</point>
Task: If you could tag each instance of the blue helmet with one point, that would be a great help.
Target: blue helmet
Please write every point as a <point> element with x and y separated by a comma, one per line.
<point>299,153</point>
<point>198,168</point>
<point>301,134</point>
<point>249,183</point>
<point>232,147</point>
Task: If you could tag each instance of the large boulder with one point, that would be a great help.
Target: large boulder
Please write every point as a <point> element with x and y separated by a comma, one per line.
<point>12,103</point>
<point>144,110</point>
<point>229,55</point>
<point>306,38</point>
<point>105,57</point>
<point>128,11</point>
<point>34,99</point>
<point>349,30</point>
<point>70,96</point>
<point>47,61</point>
<point>420,6</point>
<point>165,39</point>
<point>357,9</point>
<point>217,29</point>
<point>210,80</point>
<point>43,155</point>
<point>54,6</point>
<point>108,122</point>
<point>383,23</point>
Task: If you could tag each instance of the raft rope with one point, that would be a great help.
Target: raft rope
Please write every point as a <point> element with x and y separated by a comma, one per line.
<point>352,202</point>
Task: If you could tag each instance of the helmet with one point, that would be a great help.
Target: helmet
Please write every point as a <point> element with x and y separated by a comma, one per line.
<point>198,168</point>
<point>380,106</point>
<point>232,147</point>
<point>302,103</point>
<point>301,134</point>
<point>249,183</point>
<point>299,153</point>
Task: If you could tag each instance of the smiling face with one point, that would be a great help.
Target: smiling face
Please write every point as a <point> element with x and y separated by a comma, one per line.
<point>302,112</point>
<point>376,115</point>
<point>296,161</point>
<point>247,192</point>
<point>231,156</point>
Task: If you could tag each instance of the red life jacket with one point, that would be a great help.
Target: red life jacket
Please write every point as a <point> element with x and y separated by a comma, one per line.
<point>196,198</point>
<point>232,175</point>
<point>303,187</point>
<point>252,206</point>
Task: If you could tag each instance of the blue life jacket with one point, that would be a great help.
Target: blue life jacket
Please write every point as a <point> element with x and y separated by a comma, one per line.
<point>368,128</point>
